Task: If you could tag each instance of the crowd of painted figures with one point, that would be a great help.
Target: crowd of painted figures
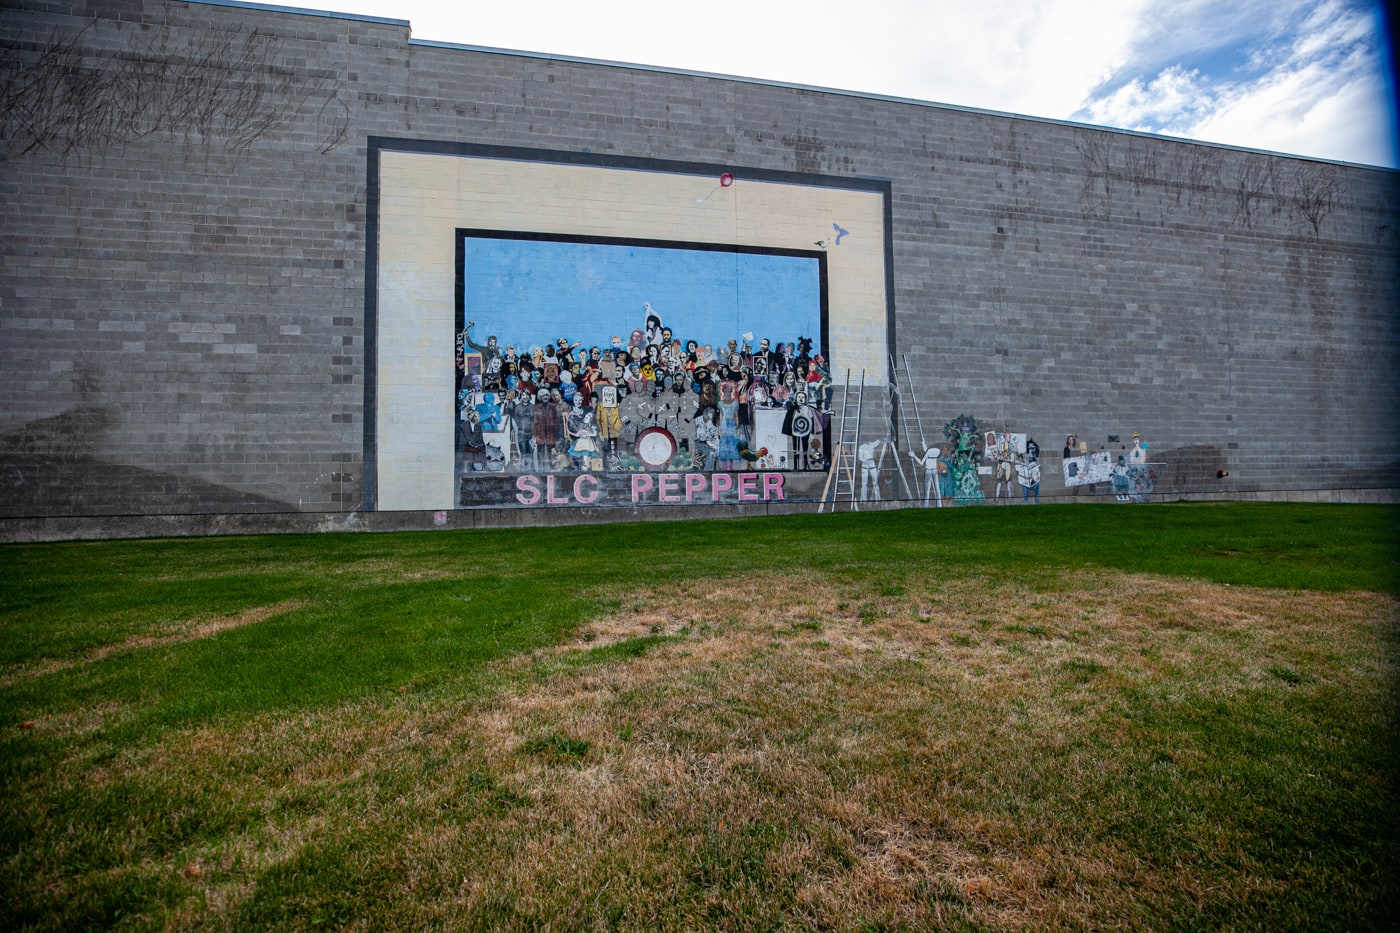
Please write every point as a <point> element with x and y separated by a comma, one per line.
<point>647,401</point>
<point>656,401</point>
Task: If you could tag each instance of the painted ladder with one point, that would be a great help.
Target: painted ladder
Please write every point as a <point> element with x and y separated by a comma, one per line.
<point>841,476</point>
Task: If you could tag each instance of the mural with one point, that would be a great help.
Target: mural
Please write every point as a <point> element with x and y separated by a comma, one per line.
<point>935,468</point>
<point>1028,471</point>
<point>1131,475</point>
<point>1015,459</point>
<point>954,472</point>
<point>964,480</point>
<point>584,365</point>
<point>1081,468</point>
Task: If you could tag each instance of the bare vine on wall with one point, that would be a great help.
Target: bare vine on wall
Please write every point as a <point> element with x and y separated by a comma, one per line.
<point>1140,164</point>
<point>1259,185</point>
<point>1255,182</point>
<point>1314,194</point>
<point>1193,176</point>
<point>1096,153</point>
<point>219,86</point>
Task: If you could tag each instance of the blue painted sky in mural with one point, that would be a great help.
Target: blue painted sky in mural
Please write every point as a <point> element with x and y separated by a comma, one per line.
<point>531,292</point>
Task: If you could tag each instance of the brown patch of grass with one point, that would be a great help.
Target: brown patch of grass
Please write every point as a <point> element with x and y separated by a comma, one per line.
<point>183,631</point>
<point>799,751</point>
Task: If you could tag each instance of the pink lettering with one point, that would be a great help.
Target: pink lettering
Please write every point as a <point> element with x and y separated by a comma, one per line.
<point>591,495</point>
<point>747,482</point>
<point>669,485</point>
<point>772,486</point>
<point>694,482</point>
<point>549,491</point>
<point>529,487</point>
<point>641,483</point>
<point>720,482</point>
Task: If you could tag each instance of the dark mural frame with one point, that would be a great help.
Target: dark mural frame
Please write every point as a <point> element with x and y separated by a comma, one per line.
<point>486,486</point>
<point>375,145</point>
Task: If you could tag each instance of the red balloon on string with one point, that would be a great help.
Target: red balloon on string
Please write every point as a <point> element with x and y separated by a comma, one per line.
<point>725,181</point>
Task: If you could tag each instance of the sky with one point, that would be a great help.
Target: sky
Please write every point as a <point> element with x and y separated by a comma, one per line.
<point>1304,77</point>
<point>532,292</point>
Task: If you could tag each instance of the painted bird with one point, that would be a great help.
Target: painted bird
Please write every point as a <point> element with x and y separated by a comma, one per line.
<point>748,454</point>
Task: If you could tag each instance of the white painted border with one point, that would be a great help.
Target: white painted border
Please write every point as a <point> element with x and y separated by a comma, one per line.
<point>425,198</point>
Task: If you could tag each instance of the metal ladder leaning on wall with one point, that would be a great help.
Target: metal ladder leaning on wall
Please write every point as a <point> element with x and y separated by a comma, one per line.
<point>906,435</point>
<point>900,431</point>
<point>841,475</point>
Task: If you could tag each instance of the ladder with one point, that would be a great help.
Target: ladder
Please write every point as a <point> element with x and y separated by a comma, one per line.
<point>918,422</point>
<point>914,398</point>
<point>895,398</point>
<point>841,476</point>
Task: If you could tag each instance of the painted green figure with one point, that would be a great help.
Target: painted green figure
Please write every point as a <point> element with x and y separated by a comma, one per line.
<point>967,484</point>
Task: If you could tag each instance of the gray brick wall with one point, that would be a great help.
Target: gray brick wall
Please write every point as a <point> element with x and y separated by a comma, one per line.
<point>182,303</point>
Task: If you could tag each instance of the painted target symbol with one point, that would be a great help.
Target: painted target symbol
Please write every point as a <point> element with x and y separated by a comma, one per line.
<point>801,425</point>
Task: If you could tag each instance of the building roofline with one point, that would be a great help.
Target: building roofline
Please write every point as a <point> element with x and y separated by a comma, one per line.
<point>765,82</point>
<point>307,11</point>
<point>870,95</point>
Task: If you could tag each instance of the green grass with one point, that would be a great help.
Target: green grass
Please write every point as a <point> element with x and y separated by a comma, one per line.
<point>277,732</point>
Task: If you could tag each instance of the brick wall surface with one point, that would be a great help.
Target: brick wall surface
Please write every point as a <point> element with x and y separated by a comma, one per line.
<point>182,296</point>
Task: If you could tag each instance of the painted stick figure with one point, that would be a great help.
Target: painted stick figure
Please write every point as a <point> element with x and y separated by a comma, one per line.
<point>930,462</point>
<point>872,460</point>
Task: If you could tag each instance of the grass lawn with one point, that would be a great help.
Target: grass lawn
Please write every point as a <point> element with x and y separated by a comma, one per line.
<point>1079,718</point>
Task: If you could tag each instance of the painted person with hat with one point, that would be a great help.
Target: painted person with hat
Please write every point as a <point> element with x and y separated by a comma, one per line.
<point>565,351</point>
<point>492,360</point>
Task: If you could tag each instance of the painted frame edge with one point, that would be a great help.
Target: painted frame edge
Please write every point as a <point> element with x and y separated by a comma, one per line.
<point>369,467</point>
<point>462,234</point>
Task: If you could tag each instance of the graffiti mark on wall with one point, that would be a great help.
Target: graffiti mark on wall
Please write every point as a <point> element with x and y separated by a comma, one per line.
<point>704,366</point>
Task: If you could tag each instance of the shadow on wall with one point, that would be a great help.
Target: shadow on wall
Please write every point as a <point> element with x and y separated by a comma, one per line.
<point>48,467</point>
<point>1190,469</point>
<point>1376,476</point>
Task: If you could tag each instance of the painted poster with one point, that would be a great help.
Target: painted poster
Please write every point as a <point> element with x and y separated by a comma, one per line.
<point>998,446</point>
<point>1089,468</point>
<point>618,359</point>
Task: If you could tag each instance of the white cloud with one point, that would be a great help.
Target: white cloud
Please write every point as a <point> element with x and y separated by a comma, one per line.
<point>1312,84</point>
<point>1307,110</point>
<point>1140,105</point>
<point>1036,59</point>
<point>1300,76</point>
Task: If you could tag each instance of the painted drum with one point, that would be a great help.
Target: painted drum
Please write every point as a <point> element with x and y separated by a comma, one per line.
<point>656,447</point>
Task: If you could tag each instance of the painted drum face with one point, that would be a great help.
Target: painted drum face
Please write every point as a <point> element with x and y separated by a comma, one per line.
<point>656,447</point>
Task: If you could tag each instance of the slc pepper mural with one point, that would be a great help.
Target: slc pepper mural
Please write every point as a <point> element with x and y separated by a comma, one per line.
<point>635,409</point>
<point>663,407</point>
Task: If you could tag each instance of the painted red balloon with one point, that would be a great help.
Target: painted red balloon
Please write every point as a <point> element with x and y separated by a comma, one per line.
<point>726,180</point>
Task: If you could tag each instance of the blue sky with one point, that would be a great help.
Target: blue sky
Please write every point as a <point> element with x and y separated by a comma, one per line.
<point>1306,77</point>
<point>532,292</point>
